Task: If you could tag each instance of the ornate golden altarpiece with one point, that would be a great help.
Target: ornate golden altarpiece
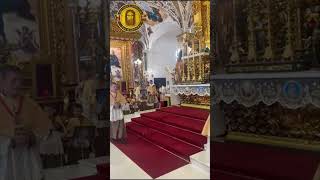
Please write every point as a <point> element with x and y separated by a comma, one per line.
<point>261,101</point>
<point>193,69</point>
<point>124,40</point>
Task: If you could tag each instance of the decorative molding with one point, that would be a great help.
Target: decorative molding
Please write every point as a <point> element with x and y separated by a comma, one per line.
<point>118,34</point>
<point>58,39</point>
<point>200,90</point>
<point>291,90</point>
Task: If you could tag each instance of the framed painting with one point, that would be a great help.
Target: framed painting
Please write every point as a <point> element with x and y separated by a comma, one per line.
<point>21,22</point>
<point>115,63</point>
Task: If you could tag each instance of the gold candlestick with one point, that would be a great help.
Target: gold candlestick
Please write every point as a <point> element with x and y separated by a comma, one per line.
<point>235,57</point>
<point>288,51</point>
<point>252,56</point>
<point>193,65</point>
<point>183,76</point>
<point>194,70</point>
<point>200,72</point>
<point>188,70</point>
<point>268,55</point>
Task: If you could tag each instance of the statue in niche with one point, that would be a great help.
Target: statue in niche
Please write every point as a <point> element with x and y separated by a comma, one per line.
<point>114,61</point>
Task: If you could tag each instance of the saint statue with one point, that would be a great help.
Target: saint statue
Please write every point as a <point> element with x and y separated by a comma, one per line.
<point>114,61</point>
<point>152,94</point>
<point>116,71</point>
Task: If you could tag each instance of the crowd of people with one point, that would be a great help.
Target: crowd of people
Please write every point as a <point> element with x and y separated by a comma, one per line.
<point>121,105</point>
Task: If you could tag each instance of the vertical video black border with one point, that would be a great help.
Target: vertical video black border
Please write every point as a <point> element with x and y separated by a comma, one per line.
<point>213,64</point>
<point>106,36</point>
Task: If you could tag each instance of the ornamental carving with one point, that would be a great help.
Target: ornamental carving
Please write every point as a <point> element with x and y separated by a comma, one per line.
<point>295,92</point>
<point>275,120</point>
<point>271,35</point>
<point>200,90</point>
<point>117,33</point>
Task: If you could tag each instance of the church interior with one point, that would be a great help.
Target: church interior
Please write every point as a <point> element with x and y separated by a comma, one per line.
<point>220,89</point>
<point>163,72</point>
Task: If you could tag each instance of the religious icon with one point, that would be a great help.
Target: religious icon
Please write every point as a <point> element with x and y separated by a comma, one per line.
<point>19,28</point>
<point>293,90</point>
<point>115,65</point>
<point>130,18</point>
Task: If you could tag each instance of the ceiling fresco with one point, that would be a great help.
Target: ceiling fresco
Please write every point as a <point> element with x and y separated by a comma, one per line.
<point>162,17</point>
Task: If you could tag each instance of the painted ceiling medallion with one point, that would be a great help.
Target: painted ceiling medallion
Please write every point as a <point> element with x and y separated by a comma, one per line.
<point>130,18</point>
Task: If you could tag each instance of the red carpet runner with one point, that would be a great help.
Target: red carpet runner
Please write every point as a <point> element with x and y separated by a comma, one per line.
<point>152,159</point>
<point>154,137</point>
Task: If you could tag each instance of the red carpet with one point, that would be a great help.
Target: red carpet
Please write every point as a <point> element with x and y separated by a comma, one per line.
<point>152,159</point>
<point>232,161</point>
<point>160,142</point>
<point>170,143</point>
<point>191,124</point>
<point>185,135</point>
<point>187,111</point>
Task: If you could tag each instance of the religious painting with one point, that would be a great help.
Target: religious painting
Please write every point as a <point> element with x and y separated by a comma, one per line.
<point>154,15</point>
<point>19,30</point>
<point>115,63</point>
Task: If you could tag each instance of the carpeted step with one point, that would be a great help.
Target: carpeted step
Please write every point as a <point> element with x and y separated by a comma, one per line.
<point>152,159</point>
<point>185,135</point>
<point>187,111</point>
<point>175,120</point>
<point>169,143</point>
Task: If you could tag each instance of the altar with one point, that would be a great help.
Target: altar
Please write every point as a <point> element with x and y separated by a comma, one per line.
<point>197,95</point>
<point>270,108</point>
<point>266,87</point>
<point>191,75</point>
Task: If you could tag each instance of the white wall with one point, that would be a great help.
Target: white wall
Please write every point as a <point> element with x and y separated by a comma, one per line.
<point>163,54</point>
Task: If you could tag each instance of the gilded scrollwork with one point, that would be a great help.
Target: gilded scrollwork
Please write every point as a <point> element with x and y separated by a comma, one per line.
<point>274,120</point>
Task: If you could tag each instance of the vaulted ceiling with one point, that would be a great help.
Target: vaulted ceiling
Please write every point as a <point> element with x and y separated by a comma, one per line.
<point>176,17</point>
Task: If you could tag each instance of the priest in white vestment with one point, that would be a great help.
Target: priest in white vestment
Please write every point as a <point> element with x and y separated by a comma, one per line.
<point>22,125</point>
<point>117,124</point>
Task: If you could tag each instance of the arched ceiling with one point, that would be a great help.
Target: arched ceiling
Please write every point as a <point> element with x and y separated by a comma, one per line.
<point>162,17</point>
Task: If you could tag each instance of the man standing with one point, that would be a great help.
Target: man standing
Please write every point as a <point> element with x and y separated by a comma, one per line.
<point>22,125</point>
<point>137,91</point>
<point>152,94</point>
<point>117,124</point>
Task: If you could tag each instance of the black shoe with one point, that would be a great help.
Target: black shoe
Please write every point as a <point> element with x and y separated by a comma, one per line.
<point>123,141</point>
